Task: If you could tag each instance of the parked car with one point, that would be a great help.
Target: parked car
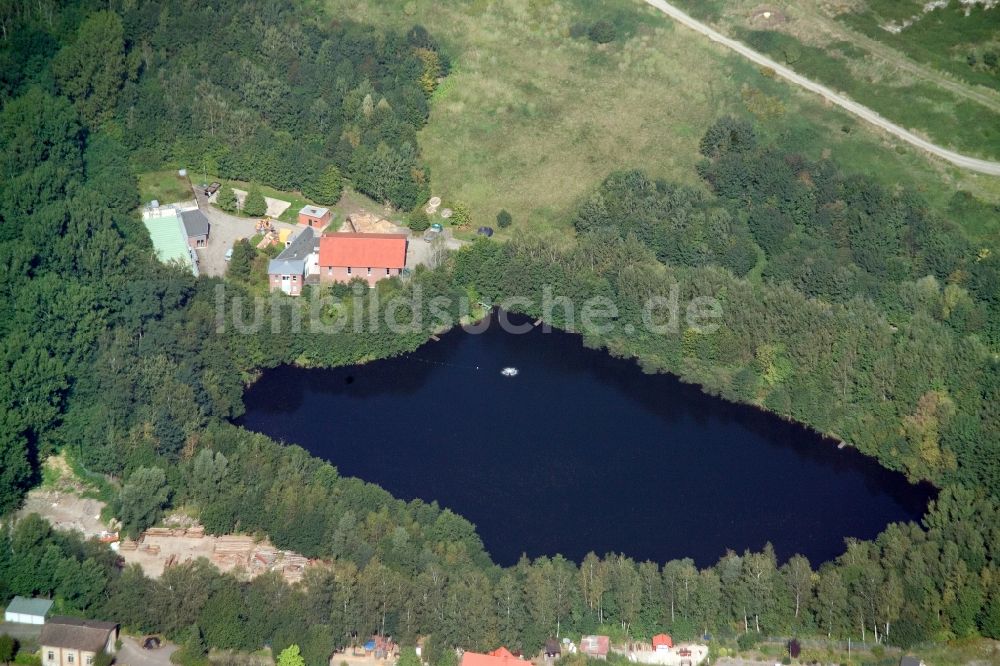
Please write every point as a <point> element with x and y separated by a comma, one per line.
<point>229,254</point>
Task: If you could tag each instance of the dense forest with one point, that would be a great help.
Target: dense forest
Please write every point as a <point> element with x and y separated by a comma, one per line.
<point>855,310</point>
<point>254,91</point>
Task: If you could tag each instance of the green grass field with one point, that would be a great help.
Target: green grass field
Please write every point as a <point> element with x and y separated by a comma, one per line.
<point>531,119</point>
<point>164,186</point>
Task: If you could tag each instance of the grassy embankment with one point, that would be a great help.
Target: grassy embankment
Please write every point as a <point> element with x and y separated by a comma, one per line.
<point>532,119</point>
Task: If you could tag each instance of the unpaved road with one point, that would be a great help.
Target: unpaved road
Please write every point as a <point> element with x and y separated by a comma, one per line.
<point>987,97</point>
<point>859,110</point>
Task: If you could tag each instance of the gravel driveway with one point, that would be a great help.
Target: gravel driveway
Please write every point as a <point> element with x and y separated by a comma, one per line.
<point>226,229</point>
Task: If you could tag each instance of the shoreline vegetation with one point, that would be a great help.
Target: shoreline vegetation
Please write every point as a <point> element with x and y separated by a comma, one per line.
<point>849,305</point>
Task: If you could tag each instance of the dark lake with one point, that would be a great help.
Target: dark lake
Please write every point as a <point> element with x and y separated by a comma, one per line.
<point>581,452</point>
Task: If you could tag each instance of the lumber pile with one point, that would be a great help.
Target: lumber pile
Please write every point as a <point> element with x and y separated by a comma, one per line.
<point>159,532</point>
<point>233,550</point>
<point>196,532</point>
<point>128,544</point>
<point>293,566</point>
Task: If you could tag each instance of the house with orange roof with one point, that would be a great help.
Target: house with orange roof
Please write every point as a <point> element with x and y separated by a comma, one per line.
<point>499,657</point>
<point>371,257</point>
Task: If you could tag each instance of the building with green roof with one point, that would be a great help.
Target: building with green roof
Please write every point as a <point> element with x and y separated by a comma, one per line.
<point>166,230</point>
<point>22,610</point>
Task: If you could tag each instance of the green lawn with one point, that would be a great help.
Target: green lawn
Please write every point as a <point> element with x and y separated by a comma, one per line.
<point>531,119</point>
<point>164,186</point>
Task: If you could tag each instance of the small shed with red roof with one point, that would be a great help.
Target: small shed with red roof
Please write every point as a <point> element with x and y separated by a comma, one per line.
<point>662,642</point>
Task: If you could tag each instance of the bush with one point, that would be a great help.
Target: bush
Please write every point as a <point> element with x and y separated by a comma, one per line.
<point>504,219</point>
<point>8,647</point>
<point>28,659</point>
<point>460,215</point>
<point>418,219</point>
<point>242,260</point>
<point>602,32</point>
<point>227,200</point>
<point>746,641</point>
<point>254,206</point>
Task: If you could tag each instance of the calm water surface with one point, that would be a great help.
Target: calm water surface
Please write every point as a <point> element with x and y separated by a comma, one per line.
<point>580,452</point>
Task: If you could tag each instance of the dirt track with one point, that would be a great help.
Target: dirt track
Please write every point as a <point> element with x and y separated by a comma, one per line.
<point>859,110</point>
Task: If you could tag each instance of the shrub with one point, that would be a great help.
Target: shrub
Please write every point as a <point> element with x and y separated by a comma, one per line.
<point>746,641</point>
<point>578,30</point>
<point>8,647</point>
<point>254,206</point>
<point>418,219</point>
<point>504,219</point>
<point>602,32</point>
<point>28,659</point>
<point>242,260</point>
<point>460,215</point>
<point>227,200</point>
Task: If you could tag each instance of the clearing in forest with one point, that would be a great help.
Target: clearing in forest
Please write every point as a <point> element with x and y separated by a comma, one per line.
<point>532,117</point>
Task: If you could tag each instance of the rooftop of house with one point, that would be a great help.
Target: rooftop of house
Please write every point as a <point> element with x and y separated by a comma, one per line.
<point>363,250</point>
<point>166,230</point>
<point>314,211</point>
<point>27,606</point>
<point>195,223</point>
<point>292,260</point>
<point>499,657</point>
<point>76,633</point>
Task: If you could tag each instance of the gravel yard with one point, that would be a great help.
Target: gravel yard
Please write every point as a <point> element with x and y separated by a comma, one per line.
<point>226,229</point>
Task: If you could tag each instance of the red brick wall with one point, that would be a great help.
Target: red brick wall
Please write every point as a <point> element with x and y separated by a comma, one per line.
<point>296,283</point>
<point>340,274</point>
<point>316,222</point>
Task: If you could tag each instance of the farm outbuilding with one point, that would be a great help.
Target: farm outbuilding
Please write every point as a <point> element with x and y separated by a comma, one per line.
<point>315,216</point>
<point>596,647</point>
<point>22,610</point>
<point>662,642</point>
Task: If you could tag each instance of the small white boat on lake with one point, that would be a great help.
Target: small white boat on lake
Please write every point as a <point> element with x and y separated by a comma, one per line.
<point>509,372</point>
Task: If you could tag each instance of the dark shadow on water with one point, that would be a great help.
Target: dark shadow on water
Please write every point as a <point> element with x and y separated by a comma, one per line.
<point>581,452</point>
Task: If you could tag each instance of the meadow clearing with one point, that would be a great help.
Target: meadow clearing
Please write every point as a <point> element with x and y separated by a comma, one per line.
<point>531,118</point>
